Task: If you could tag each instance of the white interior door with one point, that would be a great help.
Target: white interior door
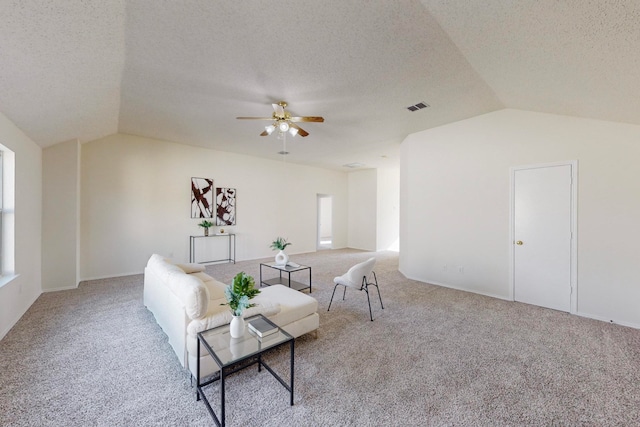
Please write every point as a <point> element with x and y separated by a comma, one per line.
<point>542,236</point>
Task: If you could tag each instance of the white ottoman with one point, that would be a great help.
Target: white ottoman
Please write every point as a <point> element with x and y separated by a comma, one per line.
<point>298,311</point>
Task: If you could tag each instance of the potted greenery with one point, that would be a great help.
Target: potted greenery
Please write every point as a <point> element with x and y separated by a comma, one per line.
<point>206,225</point>
<point>238,295</point>
<point>280,244</point>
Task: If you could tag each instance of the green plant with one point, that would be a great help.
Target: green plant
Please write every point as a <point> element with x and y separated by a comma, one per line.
<point>240,292</point>
<point>206,224</point>
<point>279,244</point>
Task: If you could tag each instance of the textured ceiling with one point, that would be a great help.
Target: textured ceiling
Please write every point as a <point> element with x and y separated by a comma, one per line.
<point>573,57</point>
<point>61,66</point>
<point>183,70</point>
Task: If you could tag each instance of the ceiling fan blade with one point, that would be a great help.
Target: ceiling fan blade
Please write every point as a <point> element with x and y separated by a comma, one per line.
<point>282,117</point>
<point>278,109</point>
<point>301,131</point>
<point>307,119</point>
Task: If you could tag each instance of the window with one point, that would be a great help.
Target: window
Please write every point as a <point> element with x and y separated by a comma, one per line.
<point>7,215</point>
<point>1,216</point>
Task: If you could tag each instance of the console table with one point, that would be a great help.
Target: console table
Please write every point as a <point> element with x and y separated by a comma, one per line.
<point>231,248</point>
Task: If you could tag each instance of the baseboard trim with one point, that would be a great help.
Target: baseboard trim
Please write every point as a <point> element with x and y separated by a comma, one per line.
<point>17,319</point>
<point>473,291</point>
<point>457,288</point>
<point>607,320</point>
<point>111,276</point>
<point>62,288</point>
<point>579,313</point>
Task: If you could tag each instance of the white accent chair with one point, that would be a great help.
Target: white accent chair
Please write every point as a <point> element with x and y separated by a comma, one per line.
<point>358,278</point>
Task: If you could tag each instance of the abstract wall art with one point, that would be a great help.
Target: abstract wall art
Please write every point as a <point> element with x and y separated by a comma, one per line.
<point>201,198</point>
<point>225,206</point>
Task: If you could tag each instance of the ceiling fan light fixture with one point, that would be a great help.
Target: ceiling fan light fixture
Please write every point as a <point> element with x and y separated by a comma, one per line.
<point>293,131</point>
<point>270,129</point>
<point>283,126</point>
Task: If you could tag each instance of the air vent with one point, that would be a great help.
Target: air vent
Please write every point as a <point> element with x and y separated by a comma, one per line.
<point>353,165</point>
<point>418,106</point>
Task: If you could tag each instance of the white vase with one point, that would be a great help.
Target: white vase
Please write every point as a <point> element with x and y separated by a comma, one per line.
<point>236,327</point>
<point>282,258</point>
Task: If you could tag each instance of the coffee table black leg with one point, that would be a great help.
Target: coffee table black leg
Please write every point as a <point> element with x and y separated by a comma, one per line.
<point>198,370</point>
<point>222,397</point>
<point>292,358</point>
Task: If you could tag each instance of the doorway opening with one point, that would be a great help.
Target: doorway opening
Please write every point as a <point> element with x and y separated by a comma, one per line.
<point>325,223</point>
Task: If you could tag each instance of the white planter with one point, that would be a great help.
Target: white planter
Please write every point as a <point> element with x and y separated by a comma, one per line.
<point>236,327</point>
<point>282,258</point>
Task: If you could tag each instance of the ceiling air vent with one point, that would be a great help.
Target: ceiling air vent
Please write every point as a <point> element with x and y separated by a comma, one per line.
<point>418,106</point>
<point>353,165</point>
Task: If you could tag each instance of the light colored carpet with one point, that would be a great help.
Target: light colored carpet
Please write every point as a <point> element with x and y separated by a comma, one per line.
<point>434,356</point>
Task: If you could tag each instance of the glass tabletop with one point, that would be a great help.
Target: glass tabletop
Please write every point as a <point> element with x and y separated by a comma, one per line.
<point>227,350</point>
<point>287,267</point>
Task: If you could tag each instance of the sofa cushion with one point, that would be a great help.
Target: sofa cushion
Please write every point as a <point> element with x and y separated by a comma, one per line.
<point>216,288</point>
<point>294,305</point>
<point>191,267</point>
<point>192,292</point>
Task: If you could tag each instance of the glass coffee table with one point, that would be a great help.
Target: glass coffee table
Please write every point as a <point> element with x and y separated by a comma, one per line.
<point>233,354</point>
<point>286,281</point>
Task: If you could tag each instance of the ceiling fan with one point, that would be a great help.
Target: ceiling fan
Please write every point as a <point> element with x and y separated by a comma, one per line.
<point>284,122</point>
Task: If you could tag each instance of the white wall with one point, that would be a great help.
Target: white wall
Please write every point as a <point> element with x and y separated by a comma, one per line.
<point>455,204</point>
<point>17,295</point>
<point>60,216</point>
<point>388,209</point>
<point>135,201</point>
<point>363,209</point>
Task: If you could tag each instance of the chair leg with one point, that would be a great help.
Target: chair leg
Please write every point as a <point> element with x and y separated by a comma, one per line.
<point>378,288</point>
<point>334,292</point>
<point>366,289</point>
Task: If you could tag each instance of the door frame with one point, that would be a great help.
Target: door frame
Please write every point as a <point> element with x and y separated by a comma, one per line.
<point>574,227</point>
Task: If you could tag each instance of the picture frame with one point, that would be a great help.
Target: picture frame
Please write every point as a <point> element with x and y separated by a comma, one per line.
<point>226,206</point>
<point>202,190</point>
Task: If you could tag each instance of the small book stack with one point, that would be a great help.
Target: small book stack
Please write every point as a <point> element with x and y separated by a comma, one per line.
<point>262,328</point>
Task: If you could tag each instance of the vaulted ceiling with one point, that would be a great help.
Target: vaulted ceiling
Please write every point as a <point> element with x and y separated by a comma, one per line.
<point>183,70</point>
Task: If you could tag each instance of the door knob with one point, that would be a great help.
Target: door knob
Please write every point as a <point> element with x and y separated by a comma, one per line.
<point>519,243</point>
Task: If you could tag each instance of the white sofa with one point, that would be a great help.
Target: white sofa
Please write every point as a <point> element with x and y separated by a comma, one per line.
<point>185,301</point>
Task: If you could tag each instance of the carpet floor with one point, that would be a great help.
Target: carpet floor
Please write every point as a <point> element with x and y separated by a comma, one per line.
<point>94,356</point>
